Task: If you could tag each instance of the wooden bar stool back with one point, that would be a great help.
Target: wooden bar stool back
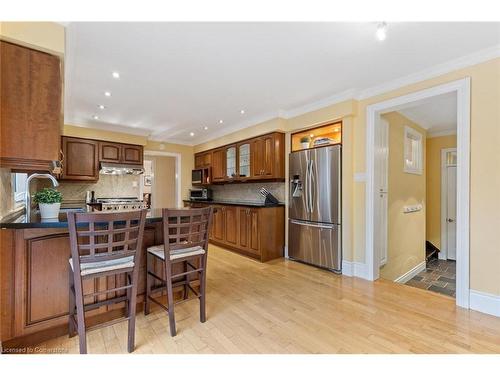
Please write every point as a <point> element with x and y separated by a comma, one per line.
<point>185,237</point>
<point>103,245</point>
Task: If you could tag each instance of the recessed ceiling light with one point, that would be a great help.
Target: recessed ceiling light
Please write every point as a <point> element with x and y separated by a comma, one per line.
<point>381,31</point>
<point>242,111</point>
<point>101,106</point>
<point>221,121</point>
<point>205,128</point>
<point>95,117</point>
<point>311,135</point>
<point>191,134</point>
<point>116,75</point>
<point>107,93</point>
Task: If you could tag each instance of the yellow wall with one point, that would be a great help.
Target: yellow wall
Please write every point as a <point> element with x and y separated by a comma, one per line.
<point>44,36</point>
<point>406,232</point>
<point>186,152</point>
<point>485,174</point>
<point>433,185</point>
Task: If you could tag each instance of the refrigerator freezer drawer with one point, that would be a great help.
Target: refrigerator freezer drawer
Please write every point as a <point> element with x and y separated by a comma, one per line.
<point>315,243</point>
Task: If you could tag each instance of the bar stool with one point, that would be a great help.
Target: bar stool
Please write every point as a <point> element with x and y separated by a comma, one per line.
<point>104,244</point>
<point>185,237</point>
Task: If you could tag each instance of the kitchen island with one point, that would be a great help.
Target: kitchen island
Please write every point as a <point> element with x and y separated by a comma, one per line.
<point>34,278</point>
<point>34,253</point>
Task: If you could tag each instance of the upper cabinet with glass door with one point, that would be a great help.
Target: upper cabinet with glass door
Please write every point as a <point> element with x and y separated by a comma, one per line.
<point>253,159</point>
<point>244,160</point>
<point>231,167</point>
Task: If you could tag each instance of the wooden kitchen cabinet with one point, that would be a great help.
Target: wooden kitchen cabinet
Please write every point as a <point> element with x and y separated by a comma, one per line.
<point>266,160</point>
<point>80,159</point>
<point>248,228</point>
<point>203,160</point>
<point>259,158</point>
<point>230,225</point>
<point>31,114</point>
<point>132,154</point>
<point>218,224</point>
<point>110,152</point>
<point>257,232</point>
<point>219,165</point>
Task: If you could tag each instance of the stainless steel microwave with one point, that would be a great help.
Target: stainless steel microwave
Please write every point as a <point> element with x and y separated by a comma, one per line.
<point>200,176</point>
<point>201,194</point>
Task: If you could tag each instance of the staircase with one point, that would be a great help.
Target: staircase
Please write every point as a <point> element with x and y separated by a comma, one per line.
<point>431,251</point>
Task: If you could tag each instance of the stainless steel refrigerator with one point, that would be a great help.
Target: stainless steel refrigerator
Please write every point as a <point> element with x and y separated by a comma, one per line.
<point>314,234</point>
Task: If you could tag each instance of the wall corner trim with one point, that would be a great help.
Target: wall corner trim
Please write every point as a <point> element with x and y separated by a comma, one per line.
<point>485,302</point>
<point>355,269</point>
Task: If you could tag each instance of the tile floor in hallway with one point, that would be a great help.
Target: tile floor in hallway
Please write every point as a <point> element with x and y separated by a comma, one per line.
<point>439,276</point>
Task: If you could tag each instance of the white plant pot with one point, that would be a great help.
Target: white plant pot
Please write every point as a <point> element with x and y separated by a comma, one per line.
<point>305,145</point>
<point>49,210</point>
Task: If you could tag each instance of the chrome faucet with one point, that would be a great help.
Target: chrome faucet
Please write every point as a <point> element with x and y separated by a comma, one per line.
<point>27,200</point>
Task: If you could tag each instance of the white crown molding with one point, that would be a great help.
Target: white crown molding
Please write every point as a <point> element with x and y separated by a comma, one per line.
<point>441,133</point>
<point>485,302</point>
<point>435,71</point>
<point>333,99</point>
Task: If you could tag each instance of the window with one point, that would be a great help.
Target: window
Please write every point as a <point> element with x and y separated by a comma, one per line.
<point>413,153</point>
<point>19,186</point>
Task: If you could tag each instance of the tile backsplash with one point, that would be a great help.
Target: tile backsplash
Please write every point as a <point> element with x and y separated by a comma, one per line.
<point>248,191</point>
<point>106,187</point>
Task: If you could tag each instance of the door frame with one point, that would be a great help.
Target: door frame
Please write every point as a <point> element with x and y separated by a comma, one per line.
<point>461,88</point>
<point>178,178</point>
<point>443,254</point>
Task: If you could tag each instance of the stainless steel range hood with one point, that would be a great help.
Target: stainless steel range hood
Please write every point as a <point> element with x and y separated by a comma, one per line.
<point>119,169</point>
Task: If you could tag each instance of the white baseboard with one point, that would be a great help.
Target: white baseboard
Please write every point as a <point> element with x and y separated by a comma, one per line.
<point>485,302</point>
<point>409,275</point>
<point>355,269</point>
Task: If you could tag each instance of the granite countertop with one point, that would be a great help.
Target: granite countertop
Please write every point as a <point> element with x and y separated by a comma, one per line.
<point>21,222</point>
<point>235,203</point>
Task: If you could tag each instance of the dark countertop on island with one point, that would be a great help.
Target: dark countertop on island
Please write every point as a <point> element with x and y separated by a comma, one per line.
<point>21,222</point>
<point>154,215</point>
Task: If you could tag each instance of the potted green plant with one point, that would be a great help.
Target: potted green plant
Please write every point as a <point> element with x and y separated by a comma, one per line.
<point>49,201</point>
<point>304,141</point>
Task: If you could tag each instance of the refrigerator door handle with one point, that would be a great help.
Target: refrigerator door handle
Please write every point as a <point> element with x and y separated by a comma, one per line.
<point>309,182</point>
<point>312,188</point>
<point>315,225</point>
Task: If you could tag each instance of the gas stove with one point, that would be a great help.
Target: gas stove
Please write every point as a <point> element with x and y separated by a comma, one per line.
<point>121,204</point>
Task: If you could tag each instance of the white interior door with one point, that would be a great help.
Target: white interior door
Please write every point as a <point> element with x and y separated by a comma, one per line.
<point>451,211</point>
<point>381,184</point>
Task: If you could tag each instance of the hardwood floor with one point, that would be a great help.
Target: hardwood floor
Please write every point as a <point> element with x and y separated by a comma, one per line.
<point>287,307</point>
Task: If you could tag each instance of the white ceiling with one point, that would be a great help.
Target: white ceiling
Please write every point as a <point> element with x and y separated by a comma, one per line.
<point>177,78</point>
<point>437,115</point>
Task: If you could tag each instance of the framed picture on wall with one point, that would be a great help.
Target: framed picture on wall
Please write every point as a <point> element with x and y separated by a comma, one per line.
<point>147,180</point>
